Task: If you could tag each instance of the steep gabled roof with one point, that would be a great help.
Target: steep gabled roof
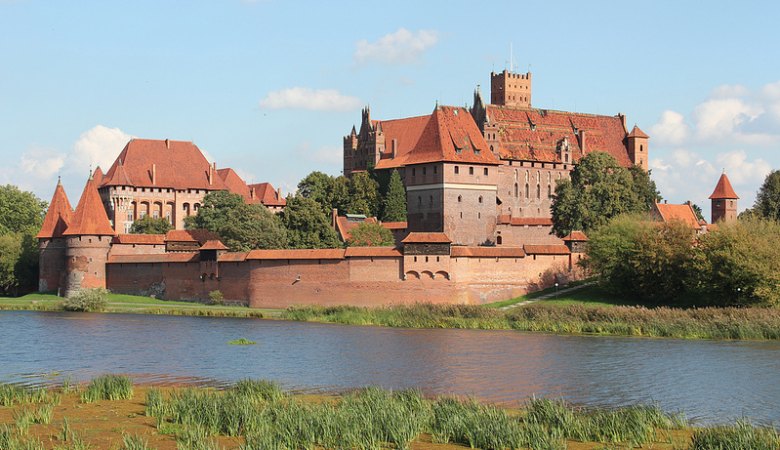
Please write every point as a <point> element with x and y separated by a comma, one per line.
<point>177,165</point>
<point>90,216</point>
<point>58,216</point>
<point>449,135</point>
<point>576,236</point>
<point>267,195</point>
<point>236,184</point>
<point>683,213</point>
<point>536,134</point>
<point>723,189</point>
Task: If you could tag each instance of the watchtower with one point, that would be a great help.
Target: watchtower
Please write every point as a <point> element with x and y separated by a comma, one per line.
<point>724,201</point>
<point>51,243</point>
<point>510,89</point>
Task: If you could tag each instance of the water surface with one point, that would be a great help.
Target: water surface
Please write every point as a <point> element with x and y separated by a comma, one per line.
<point>710,381</point>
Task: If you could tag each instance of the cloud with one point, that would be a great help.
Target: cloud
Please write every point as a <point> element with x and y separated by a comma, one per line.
<point>723,117</point>
<point>730,91</point>
<point>401,47</point>
<point>742,171</point>
<point>671,128</point>
<point>327,154</point>
<point>98,146</point>
<point>41,163</point>
<point>310,99</point>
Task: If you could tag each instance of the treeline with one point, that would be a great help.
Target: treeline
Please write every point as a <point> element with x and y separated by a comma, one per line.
<point>734,264</point>
<point>21,217</point>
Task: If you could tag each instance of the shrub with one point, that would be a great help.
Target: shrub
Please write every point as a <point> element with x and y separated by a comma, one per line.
<point>108,387</point>
<point>87,300</point>
<point>216,297</point>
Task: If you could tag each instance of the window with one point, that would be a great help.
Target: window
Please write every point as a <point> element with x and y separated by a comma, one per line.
<point>156,214</point>
<point>130,215</point>
<point>516,190</point>
<point>538,191</point>
<point>419,200</point>
<point>434,169</point>
<point>431,200</point>
<point>549,191</point>
<point>480,199</point>
<point>460,198</point>
<point>471,171</point>
<point>424,171</point>
<point>641,148</point>
<point>414,171</point>
<point>526,190</point>
<point>499,241</point>
<point>143,214</point>
<point>457,170</point>
<point>486,171</point>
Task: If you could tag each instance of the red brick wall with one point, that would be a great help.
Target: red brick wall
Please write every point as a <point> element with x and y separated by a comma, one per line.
<point>51,265</point>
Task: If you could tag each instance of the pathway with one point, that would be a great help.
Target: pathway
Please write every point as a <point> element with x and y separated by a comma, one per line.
<point>549,295</point>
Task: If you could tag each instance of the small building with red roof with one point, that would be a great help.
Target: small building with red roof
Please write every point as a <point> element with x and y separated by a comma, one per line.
<point>724,201</point>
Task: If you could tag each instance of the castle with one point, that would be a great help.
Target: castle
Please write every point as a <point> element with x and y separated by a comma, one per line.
<point>479,186</point>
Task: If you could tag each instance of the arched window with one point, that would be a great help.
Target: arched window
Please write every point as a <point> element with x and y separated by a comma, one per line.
<point>641,148</point>
<point>460,199</point>
<point>526,176</point>
<point>526,191</point>
<point>431,200</point>
<point>538,176</point>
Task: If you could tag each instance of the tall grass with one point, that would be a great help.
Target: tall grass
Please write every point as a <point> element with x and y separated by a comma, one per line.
<point>11,394</point>
<point>740,436</point>
<point>108,387</point>
<point>704,323</point>
<point>134,443</point>
<point>10,441</point>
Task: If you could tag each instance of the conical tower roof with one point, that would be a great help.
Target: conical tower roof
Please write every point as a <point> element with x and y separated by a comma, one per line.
<point>90,217</point>
<point>636,132</point>
<point>58,216</point>
<point>723,189</point>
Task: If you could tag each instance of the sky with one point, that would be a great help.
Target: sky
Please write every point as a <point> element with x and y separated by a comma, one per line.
<point>270,87</point>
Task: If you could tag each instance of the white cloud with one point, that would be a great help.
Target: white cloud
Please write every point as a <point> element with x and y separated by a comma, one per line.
<point>742,171</point>
<point>730,91</point>
<point>401,47</point>
<point>683,157</point>
<point>327,154</point>
<point>722,118</point>
<point>98,146</point>
<point>670,129</point>
<point>310,99</point>
<point>41,163</point>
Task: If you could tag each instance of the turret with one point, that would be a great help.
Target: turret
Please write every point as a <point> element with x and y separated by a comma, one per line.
<point>638,147</point>
<point>88,240</point>
<point>51,244</point>
<point>510,89</point>
<point>724,201</point>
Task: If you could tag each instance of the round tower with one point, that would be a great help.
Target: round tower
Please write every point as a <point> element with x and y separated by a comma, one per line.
<point>87,242</point>
<point>51,243</point>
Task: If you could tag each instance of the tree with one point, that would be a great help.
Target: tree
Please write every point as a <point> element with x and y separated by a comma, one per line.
<point>697,211</point>
<point>21,217</point>
<point>644,187</point>
<point>20,211</point>
<point>394,203</point>
<point>10,253</point>
<point>363,195</point>
<point>370,235</point>
<point>241,226</point>
<point>599,190</point>
<point>306,226</point>
<point>768,198</point>
<point>150,225</point>
<point>318,187</point>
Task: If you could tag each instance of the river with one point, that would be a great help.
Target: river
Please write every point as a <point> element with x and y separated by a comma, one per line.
<point>710,381</point>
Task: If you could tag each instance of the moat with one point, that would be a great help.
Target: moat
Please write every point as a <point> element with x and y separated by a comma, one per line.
<point>710,381</point>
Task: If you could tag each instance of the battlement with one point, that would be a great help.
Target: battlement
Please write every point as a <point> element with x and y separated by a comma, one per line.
<point>510,89</point>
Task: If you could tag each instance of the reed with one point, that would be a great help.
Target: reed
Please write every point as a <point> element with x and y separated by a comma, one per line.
<point>43,413</point>
<point>262,389</point>
<point>23,418</point>
<point>740,436</point>
<point>476,425</point>
<point>9,441</point>
<point>11,394</point>
<point>134,443</point>
<point>195,438</point>
<point>108,387</point>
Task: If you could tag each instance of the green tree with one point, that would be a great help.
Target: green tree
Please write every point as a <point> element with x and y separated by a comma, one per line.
<point>370,235</point>
<point>150,225</point>
<point>318,187</point>
<point>697,211</point>
<point>363,195</point>
<point>739,264</point>
<point>768,198</point>
<point>394,203</point>
<point>241,226</point>
<point>599,190</point>
<point>21,217</point>
<point>306,226</point>
<point>644,187</point>
<point>10,253</point>
<point>340,194</point>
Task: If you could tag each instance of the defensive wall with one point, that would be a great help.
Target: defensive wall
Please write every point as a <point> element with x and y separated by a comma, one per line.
<point>361,276</point>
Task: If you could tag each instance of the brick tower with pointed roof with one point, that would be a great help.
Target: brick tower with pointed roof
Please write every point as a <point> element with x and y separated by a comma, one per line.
<point>51,243</point>
<point>88,240</point>
<point>638,147</point>
<point>724,201</point>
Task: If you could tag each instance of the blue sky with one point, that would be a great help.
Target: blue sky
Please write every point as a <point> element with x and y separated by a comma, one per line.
<point>270,87</point>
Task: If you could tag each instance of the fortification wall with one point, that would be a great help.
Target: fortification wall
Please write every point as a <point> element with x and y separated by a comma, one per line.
<point>137,249</point>
<point>86,258</point>
<point>51,265</point>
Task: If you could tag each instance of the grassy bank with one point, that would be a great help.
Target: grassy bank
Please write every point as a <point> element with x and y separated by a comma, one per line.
<point>110,413</point>
<point>587,311</point>
<point>119,303</point>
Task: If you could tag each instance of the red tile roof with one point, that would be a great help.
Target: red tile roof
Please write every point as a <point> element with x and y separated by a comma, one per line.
<point>188,257</point>
<point>449,135</point>
<point>344,226</point>
<point>395,225</point>
<point>487,252</point>
<point>267,195</point>
<point>535,134</point>
<point>200,236</point>
<point>58,216</point>
<point>236,184</point>
<point>321,253</point>
<point>372,252</point>
<point>232,257</point>
<point>576,236</point>
<point>424,238</point>
<point>723,189</point>
<point>550,249</point>
<point>214,245</point>
<point>685,213</point>
<point>90,216</point>
<point>636,132</point>
<point>97,175</point>
<point>145,239</point>
<point>177,165</point>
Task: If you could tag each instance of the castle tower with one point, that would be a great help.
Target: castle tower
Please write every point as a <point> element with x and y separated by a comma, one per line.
<point>51,244</point>
<point>88,240</point>
<point>510,89</point>
<point>638,147</point>
<point>724,201</point>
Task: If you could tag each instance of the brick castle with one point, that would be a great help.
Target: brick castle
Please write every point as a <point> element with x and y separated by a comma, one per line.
<point>479,186</point>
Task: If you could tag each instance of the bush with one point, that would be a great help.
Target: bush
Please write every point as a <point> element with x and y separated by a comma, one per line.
<point>108,387</point>
<point>216,297</point>
<point>87,300</point>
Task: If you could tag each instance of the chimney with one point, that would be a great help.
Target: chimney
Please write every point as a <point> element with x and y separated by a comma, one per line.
<point>582,142</point>
<point>252,192</point>
<point>154,174</point>
<point>333,215</point>
<point>623,121</point>
<point>211,173</point>
<point>168,144</point>
<point>279,193</point>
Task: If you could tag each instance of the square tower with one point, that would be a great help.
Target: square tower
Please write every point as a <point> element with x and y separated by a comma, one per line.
<point>510,89</point>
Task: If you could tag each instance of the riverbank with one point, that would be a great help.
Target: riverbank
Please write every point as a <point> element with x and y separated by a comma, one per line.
<point>257,414</point>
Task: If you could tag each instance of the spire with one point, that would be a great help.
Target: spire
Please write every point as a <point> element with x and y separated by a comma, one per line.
<point>637,133</point>
<point>723,189</point>
<point>58,216</point>
<point>90,216</point>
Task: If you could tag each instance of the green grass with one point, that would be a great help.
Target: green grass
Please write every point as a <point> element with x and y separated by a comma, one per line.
<point>108,387</point>
<point>241,341</point>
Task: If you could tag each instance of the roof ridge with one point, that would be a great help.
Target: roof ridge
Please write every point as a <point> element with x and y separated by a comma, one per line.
<point>90,216</point>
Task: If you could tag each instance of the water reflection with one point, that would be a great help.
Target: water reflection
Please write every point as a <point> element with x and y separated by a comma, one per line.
<point>709,381</point>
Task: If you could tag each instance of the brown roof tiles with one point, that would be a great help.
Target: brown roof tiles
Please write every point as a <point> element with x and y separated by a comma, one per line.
<point>684,213</point>
<point>723,189</point>
<point>321,253</point>
<point>58,216</point>
<point>548,249</point>
<point>143,239</point>
<point>576,236</point>
<point>90,216</point>
<point>379,252</point>
<point>424,238</point>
